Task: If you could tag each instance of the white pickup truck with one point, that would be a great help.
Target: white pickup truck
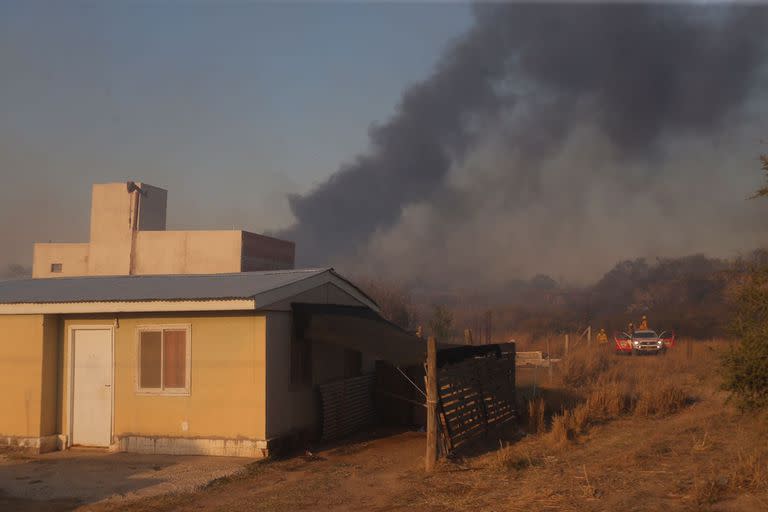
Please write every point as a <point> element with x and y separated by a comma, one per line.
<point>647,342</point>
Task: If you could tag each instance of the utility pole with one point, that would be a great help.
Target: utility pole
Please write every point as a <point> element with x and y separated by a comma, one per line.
<point>549,362</point>
<point>431,403</point>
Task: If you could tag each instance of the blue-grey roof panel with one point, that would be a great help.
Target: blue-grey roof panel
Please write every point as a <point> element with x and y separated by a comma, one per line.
<point>243,285</point>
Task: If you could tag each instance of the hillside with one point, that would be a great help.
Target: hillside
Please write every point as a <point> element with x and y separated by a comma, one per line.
<point>689,295</point>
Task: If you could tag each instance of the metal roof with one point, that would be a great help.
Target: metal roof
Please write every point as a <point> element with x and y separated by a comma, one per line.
<point>243,285</point>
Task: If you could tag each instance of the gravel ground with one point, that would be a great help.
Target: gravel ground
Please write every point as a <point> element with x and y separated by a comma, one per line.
<point>90,476</point>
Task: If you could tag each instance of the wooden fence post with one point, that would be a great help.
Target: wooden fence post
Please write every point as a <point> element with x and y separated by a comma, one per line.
<point>549,362</point>
<point>431,403</point>
<point>566,345</point>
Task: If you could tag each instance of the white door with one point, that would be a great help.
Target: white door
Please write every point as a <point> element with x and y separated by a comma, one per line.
<point>92,387</point>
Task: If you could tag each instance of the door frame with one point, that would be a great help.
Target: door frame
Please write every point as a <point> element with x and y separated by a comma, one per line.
<point>71,376</point>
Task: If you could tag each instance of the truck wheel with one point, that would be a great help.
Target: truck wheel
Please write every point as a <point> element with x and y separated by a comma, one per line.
<point>634,352</point>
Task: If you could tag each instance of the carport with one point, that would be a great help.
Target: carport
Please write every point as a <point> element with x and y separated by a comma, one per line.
<point>466,390</point>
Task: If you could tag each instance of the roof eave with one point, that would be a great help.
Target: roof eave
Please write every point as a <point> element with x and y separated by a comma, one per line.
<point>150,306</point>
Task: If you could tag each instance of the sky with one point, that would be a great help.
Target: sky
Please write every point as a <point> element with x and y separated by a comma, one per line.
<point>422,142</point>
<point>229,106</point>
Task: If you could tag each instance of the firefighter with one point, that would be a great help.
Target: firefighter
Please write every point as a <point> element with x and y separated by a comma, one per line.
<point>602,337</point>
<point>644,323</point>
<point>631,329</point>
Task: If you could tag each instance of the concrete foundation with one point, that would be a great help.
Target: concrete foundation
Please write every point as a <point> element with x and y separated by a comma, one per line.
<point>38,445</point>
<point>185,446</point>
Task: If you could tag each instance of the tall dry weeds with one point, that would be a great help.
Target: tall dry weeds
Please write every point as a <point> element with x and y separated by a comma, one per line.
<point>612,387</point>
<point>584,366</point>
<point>562,430</point>
<point>660,399</point>
<point>747,473</point>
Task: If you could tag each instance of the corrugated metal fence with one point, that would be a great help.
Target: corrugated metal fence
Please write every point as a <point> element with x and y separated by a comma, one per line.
<point>346,406</point>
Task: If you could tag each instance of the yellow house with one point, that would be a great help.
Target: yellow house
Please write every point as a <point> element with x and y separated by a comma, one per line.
<point>186,364</point>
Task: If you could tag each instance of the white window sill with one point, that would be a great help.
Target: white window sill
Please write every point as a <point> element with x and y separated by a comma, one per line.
<point>146,392</point>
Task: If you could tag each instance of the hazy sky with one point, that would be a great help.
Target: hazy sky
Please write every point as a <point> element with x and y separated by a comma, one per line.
<point>509,140</point>
<point>230,106</point>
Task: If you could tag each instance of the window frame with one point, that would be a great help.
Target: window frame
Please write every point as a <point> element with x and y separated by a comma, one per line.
<point>57,268</point>
<point>161,391</point>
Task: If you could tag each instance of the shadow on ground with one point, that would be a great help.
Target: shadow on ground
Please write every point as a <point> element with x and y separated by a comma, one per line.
<point>65,480</point>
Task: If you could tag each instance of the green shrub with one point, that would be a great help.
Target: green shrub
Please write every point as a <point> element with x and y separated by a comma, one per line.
<point>745,366</point>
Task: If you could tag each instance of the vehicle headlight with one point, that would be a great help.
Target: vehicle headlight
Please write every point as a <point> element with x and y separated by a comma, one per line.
<point>635,343</point>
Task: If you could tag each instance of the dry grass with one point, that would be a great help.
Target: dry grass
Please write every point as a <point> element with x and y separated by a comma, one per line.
<point>750,472</point>
<point>515,457</point>
<point>584,366</point>
<point>562,430</point>
<point>745,469</point>
<point>611,388</point>
<point>728,462</point>
<point>661,400</point>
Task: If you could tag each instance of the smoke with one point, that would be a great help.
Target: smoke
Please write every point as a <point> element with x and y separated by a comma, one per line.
<point>556,139</point>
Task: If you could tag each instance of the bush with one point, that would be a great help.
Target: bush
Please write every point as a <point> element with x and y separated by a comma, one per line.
<point>745,366</point>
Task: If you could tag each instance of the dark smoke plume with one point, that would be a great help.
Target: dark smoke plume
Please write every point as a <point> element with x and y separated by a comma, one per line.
<point>510,100</point>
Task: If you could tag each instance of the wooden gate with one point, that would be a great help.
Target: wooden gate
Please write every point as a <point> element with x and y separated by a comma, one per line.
<point>475,396</point>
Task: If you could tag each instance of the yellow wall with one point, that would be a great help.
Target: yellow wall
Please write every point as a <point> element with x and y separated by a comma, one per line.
<point>49,392</point>
<point>21,342</point>
<point>73,259</point>
<point>111,234</point>
<point>187,252</point>
<point>155,252</point>
<point>227,397</point>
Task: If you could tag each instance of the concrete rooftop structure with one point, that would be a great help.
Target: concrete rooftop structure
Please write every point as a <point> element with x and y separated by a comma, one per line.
<point>128,237</point>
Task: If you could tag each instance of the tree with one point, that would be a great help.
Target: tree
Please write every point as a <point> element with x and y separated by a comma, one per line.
<point>763,192</point>
<point>745,367</point>
<point>394,301</point>
<point>14,270</point>
<point>441,323</point>
<point>543,282</point>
